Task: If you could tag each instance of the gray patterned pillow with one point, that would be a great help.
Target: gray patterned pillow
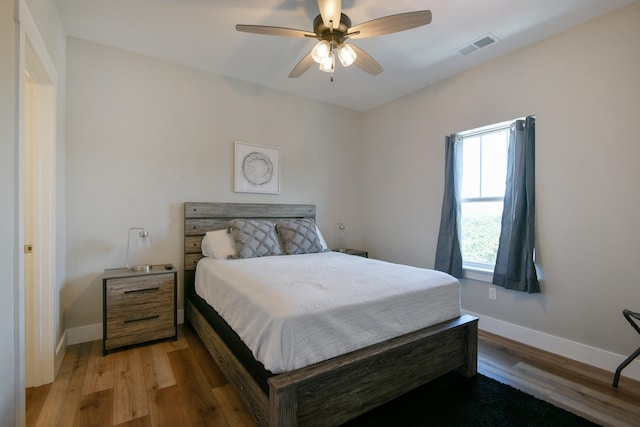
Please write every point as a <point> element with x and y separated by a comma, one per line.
<point>255,238</point>
<point>299,236</point>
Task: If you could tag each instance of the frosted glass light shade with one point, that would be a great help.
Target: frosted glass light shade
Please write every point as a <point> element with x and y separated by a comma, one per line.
<point>328,64</point>
<point>321,51</point>
<point>346,54</point>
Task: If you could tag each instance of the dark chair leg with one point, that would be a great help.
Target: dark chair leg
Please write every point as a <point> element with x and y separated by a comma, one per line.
<point>623,365</point>
<point>628,314</point>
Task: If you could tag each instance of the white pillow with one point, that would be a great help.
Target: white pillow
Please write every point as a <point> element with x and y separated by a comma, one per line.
<point>218,244</point>
<point>322,241</point>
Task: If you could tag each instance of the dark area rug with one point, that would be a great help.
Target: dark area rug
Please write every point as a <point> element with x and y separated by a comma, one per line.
<point>453,400</point>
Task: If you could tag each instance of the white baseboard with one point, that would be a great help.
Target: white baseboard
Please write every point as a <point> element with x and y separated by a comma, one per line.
<point>94,332</point>
<point>593,356</point>
<point>61,350</point>
<point>84,334</point>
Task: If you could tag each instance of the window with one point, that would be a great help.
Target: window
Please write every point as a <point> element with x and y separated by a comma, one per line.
<point>490,177</point>
<point>484,174</point>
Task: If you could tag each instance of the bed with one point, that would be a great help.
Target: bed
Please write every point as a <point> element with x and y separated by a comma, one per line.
<point>327,392</point>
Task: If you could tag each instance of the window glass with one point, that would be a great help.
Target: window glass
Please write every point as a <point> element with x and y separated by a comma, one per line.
<point>484,174</point>
<point>480,231</point>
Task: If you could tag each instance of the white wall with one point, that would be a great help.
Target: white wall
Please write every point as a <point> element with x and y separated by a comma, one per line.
<point>144,136</point>
<point>8,195</point>
<point>582,85</point>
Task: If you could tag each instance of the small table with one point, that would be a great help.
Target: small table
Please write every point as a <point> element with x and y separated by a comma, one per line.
<point>139,306</point>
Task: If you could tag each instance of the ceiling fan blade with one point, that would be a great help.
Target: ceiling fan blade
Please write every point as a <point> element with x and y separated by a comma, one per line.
<point>274,31</point>
<point>302,67</point>
<point>390,24</point>
<point>366,61</point>
<point>330,10</point>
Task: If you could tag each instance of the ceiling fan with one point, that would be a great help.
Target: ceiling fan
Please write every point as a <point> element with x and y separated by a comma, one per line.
<point>332,28</point>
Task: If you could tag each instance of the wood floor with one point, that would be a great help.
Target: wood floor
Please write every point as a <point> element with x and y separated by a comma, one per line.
<point>176,383</point>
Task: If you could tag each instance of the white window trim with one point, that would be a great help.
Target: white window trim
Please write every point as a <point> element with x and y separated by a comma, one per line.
<point>481,274</point>
<point>488,129</point>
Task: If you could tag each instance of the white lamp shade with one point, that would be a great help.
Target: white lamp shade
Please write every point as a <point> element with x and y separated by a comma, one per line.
<point>328,64</point>
<point>346,54</point>
<point>321,51</point>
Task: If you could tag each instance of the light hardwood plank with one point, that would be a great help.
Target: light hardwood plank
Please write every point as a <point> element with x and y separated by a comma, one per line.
<point>35,398</point>
<point>165,407</point>
<point>232,407</point>
<point>100,370</point>
<point>63,400</point>
<point>200,405</point>
<point>581,398</point>
<point>95,410</point>
<point>212,373</point>
<point>180,344</point>
<point>137,422</point>
<point>157,369</point>
<point>130,394</point>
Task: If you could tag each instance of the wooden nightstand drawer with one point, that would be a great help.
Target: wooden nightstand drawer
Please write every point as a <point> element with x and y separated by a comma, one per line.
<point>139,318</point>
<point>139,290</point>
<point>138,306</point>
<point>139,323</point>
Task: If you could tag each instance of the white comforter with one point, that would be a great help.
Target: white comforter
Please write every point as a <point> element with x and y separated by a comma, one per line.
<point>296,310</point>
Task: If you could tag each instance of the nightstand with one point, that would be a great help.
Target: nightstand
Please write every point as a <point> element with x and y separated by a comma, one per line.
<point>138,306</point>
<point>356,252</point>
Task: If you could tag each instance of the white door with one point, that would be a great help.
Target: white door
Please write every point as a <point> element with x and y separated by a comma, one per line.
<point>38,178</point>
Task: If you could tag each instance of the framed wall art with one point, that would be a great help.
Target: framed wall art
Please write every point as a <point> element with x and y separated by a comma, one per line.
<point>256,169</point>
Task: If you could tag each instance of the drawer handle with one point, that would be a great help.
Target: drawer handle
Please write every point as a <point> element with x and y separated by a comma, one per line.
<point>142,318</point>
<point>157,288</point>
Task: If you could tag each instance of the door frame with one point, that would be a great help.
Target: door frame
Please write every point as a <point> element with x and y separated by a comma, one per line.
<point>34,58</point>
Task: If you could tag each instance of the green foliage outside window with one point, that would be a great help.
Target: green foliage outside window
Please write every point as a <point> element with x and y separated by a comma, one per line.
<point>480,235</point>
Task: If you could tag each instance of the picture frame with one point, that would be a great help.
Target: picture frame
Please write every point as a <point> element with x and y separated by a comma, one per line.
<point>256,168</point>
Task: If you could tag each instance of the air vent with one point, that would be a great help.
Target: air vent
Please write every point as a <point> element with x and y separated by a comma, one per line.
<point>482,42</point>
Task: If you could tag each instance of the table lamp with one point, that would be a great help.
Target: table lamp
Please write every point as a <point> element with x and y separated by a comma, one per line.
<point>142,240</point>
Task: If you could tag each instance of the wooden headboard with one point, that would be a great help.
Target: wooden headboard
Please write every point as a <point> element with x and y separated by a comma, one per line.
<point>201,217</point>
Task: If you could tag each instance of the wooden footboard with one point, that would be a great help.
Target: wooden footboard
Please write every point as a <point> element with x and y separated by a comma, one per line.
<point>339,389</point>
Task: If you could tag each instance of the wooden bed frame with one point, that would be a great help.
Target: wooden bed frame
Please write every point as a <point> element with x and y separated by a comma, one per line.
<point>339,389</point>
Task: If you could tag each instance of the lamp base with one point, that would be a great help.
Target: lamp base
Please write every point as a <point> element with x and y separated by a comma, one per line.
<point>141,267</point>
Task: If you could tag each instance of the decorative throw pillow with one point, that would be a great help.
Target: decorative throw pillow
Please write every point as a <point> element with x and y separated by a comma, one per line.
<point>255,238</point>
<point>299,236</point>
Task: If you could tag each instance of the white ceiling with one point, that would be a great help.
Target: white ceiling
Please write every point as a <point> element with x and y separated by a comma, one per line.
<point>201,34</point>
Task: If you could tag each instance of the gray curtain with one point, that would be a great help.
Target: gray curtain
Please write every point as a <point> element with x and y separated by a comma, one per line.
<point>514,267</point>
<point>448,253</point>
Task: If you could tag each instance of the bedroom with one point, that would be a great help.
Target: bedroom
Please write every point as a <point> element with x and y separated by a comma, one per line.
<point>581,84</point>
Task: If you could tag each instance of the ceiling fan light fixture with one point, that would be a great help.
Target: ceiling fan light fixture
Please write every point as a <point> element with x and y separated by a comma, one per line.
<point>321,51</point>
<point>346,54</point>
<point>332,27</point>
<point>328,64</point>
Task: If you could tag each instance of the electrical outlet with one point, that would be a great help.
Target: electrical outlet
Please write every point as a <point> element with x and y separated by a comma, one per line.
<point>492,293</point>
